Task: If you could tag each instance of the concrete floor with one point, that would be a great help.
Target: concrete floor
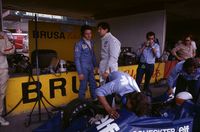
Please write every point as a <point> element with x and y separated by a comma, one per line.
<point>17,124</point>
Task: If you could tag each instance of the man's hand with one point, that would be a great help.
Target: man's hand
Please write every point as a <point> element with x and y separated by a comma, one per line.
<point>105,75</point>
<point>81,77</point>
<point>154,50</point>
<point>1,36</point>
<point>96,70</point>
<point>170,91</point>
<point>179,58</point>
<point>113,113</point>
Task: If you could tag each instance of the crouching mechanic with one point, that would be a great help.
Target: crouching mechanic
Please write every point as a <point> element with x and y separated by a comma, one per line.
<point>125,86</point>
<point>186,77</point>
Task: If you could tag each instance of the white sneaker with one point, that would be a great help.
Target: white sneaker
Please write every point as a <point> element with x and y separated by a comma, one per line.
<point>3,122</point>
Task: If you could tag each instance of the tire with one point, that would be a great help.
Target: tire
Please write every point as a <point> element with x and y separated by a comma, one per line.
<point>78,108</point>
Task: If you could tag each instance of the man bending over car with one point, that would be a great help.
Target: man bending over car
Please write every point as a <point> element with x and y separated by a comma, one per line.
<point>125,86</point>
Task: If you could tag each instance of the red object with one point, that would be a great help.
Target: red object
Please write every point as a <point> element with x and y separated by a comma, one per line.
<point>169,65</point>
<point>18,40</point>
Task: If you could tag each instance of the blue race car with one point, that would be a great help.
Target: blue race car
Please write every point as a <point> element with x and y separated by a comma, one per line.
<point>86,116</point>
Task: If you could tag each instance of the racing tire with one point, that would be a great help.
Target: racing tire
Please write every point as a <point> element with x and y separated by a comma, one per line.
<point>79,108</point>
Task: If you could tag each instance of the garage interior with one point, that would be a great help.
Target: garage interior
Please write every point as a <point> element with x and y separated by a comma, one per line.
<point>182,15</point>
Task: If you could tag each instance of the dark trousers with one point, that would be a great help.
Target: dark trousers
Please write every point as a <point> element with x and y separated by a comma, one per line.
<point>146,69</point>
<point>192,86</point>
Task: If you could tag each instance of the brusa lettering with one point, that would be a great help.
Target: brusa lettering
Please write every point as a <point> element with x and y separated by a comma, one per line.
<point>48,35</point>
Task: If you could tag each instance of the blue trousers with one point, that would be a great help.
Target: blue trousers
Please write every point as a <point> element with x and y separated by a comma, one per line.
<point>88,77</point>
<point>192,86</point>
<point>147,69</point>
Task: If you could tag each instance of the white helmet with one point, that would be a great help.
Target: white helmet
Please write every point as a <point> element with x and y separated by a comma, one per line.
<point>184,95</point>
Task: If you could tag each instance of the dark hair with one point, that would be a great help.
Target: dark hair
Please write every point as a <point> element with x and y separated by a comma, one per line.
<point>190,62</point>
<point>140,103</point>
<point>85,27</point>
<point>104,25</point>
<point>150,34</point>
<point>188,35</point>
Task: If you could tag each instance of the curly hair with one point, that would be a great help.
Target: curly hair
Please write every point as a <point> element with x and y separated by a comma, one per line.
<point>139,102</point>
<point>190,62</point>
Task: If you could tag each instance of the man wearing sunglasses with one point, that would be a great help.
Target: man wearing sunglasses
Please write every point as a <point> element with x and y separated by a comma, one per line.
<point>185,50</point>
<point>148,53</point>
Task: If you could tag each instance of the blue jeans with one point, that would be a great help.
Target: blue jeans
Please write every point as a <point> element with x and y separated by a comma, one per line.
<point>147,69</point>
<point>88,77</point>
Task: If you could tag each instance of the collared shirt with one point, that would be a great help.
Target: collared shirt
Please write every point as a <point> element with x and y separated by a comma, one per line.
<point>193,43</point>
<point>184,51</point>
<point>110,50</point>
<point>147,56</point>
<point>88,42</point>
<point>6,48</point>
<point>120,83</point>
<point>178,70</point>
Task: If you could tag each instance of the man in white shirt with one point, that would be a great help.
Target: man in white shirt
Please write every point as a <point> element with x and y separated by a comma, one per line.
<point>110,50</point>
<point>6,48</point>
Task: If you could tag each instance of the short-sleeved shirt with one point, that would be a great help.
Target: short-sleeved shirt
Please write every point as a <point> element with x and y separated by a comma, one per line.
<point>184,51</point>
<point>178,70</point>
<point>120,83</point>
<point>147,56</point>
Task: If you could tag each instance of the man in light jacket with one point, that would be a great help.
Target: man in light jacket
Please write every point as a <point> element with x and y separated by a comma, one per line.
<point>6,48</point>
<point>110,50</point>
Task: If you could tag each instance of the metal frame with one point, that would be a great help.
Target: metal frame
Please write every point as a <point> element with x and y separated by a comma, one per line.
<point>1,16</point>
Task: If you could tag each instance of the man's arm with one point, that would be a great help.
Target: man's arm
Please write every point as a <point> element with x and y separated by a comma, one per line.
<point>77,55</point>
<point>112,112</point>
<point>94,60</point>
<point>174,52</point>
<point>156,51</point>
<point>141,49</point>
<point>173,76</point>
<point>6,46</point>
<point>105,90</point>
<point>194,48</point>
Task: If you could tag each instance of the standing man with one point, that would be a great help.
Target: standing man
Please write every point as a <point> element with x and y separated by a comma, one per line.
<point>148,53</point>
<point>85,61</point>
<point>110,50</point>
<point>185,50</point>
<point>6,48</point>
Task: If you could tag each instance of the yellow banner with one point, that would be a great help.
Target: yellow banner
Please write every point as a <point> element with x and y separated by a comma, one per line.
<point>58,89</point>
<point>55,36</point>
<point>157,75</point>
